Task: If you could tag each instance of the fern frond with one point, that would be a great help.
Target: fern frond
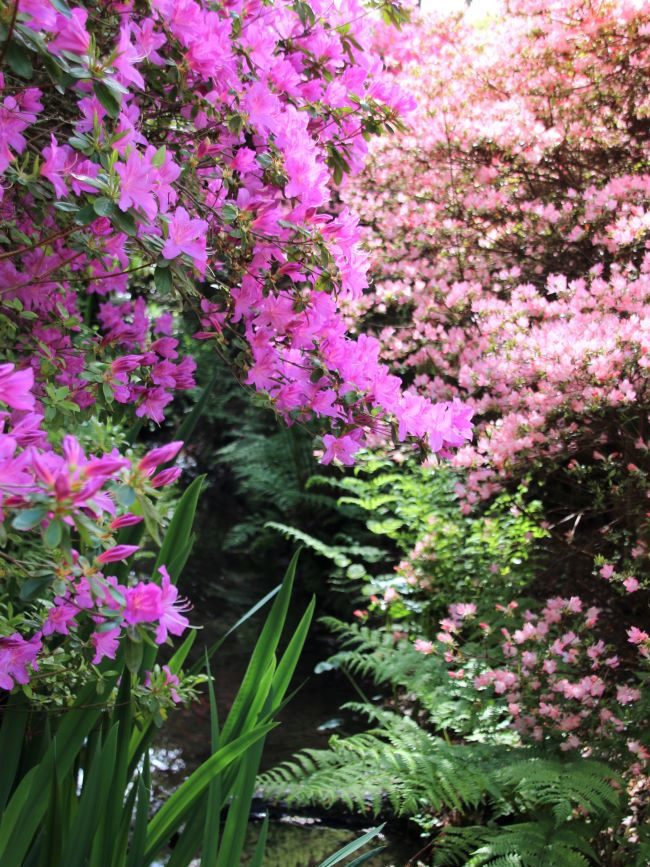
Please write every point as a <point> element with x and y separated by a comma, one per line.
<point>335,554</point>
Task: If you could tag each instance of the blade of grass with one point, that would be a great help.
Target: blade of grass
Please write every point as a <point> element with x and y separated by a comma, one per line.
<point>14,721</point>
<point>287,665</point>
<point>363,859</point>
<point>91,804</point>
<point>186,845</point>
<point>179,531</point>
<point>111,816</point>
<point>19,825</point>
<point>250,613</point>
<point>260,848</point>
<point>352,847</point>
<point>264,651</point>
<point>214,803</point>
<point>139,836</point>
<point>175,809</point>
<point>234,832</point>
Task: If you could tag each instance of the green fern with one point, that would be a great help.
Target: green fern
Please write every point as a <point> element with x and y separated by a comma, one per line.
<point>531,804</point>
<point>331,552</point>
<point>397,765</point>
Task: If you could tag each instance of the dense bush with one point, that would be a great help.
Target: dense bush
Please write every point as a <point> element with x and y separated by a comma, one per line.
<point>160,158</point>
<point>508,240</point>
<point>508,236</point>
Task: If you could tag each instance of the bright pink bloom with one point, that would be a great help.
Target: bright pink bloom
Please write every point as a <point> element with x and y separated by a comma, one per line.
<point>160,455</point>
<point>127,520</point>
<point>626,695</point>
<point>16,386</point>
<point>17,657</point>
<point>342,449</point>
<point>71,33</point>
<point>170,611</point>
<point>119,552</point>
<point>105,644</point>
<point>60,616</point>
<point>423,646</point>
<point>186,235</point>
<point>136,189</point>
<point>143,603</point>
<point>166,477</point>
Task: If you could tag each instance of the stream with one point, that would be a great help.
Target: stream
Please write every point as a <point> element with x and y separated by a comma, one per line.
<point>219,600</point>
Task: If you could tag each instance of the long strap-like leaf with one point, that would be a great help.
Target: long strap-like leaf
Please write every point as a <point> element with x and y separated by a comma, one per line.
<point>176,808</point>
<point>343,853</point>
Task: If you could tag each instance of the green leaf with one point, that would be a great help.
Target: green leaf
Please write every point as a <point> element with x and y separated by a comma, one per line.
<point>159,157</point>
<point>103,206</point>
<point>66,207</point>
<point>33,586</point>
<point>53,533</point>
<point>343,853</point>
<point>229,212</point>
<point>133,653</point>
<point>85,215</point>
<point>125,496</point>
<point>162,278</point>
<point>108,98</point>
<point>177,806</point>
<point>19,60</point>
<point>62,7</point>
<point>125,222</point>
<point>29,518</point>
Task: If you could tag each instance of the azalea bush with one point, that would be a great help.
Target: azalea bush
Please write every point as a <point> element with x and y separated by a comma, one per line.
<point>159,160</point>
<point>508,240</point>
<point>559,680</point>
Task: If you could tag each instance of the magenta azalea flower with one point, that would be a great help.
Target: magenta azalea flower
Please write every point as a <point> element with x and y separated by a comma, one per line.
<point>187,236</point>
<point>171,617</point>
<point>15,387</point>
<point>17,656</point>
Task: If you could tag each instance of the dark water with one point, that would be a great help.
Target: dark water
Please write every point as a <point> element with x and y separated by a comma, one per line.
<point>219,601</point>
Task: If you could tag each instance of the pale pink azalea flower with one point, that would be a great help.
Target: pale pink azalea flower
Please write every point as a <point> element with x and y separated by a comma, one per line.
<point>423,646</point>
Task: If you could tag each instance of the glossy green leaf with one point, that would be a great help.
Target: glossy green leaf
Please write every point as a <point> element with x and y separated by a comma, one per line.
<point>352,847</point>
<point>108,98</point>
<point>176,808</point>
<point>264,651</point>
<point>92,802</point>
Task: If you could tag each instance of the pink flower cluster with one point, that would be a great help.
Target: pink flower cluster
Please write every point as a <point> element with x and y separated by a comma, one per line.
<point>232,196</point>
<point>556,677</point>
<point>509,239</point>
<point>58,493</point>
